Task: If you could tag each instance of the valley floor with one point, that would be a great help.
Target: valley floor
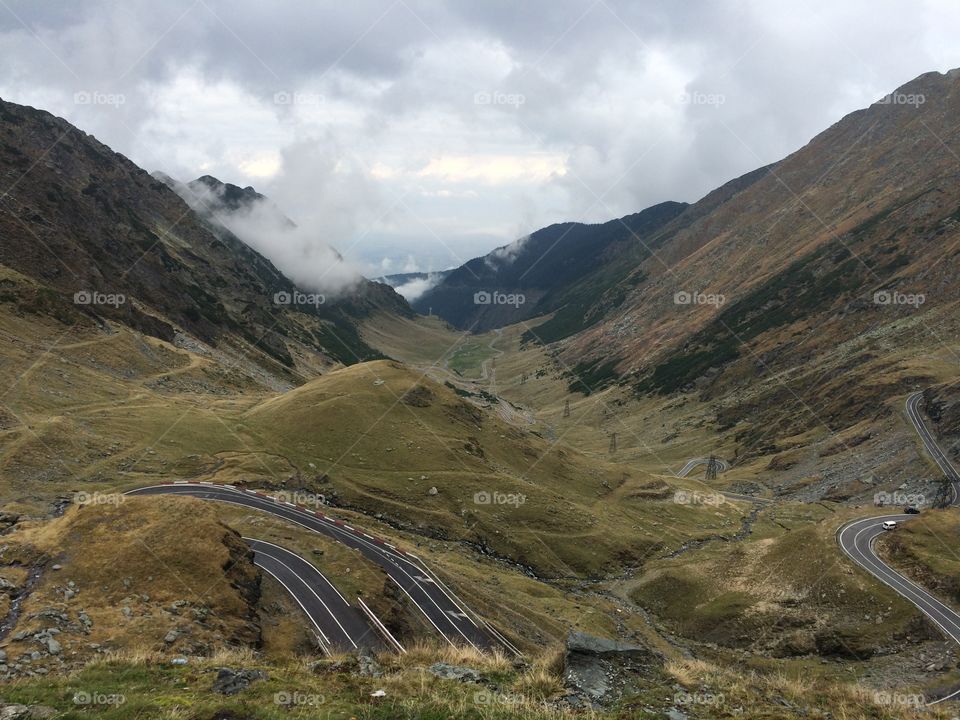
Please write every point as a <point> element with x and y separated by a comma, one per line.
<point>594,531</point>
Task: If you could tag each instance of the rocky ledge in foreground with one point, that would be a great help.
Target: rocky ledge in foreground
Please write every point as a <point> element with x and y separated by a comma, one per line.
<point>598,672</point>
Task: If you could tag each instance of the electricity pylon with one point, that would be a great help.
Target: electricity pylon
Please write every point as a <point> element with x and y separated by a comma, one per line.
<point>713,468</point>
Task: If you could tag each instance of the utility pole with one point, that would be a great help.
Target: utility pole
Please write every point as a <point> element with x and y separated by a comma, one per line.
<point>613,443</point>
<point>712,468</point>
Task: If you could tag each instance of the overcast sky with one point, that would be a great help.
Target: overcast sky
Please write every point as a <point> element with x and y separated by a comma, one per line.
<point>417,134</point>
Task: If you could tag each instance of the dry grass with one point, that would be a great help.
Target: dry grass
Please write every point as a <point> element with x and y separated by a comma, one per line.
<point>154,689</point>
<point>145,654</point>
<point>127,563</point>
<point>732,688</point>
<point>427,652</point>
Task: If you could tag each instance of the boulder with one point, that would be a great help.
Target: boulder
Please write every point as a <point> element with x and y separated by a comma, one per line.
<point>597,671</point>
<point>26,712</point>
<point>446,671</point>
<point>367,665</point>
<point>230,681</point>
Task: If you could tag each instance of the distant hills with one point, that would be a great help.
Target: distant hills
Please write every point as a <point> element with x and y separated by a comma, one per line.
<point>543,272</point>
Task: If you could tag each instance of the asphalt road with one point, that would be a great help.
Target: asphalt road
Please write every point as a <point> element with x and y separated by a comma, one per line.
<point>338,625</point>
<point>693,462</point>
<point>857,540</point>
<point>724,466</point>
<point>913,412</point>
<point>449,616</point>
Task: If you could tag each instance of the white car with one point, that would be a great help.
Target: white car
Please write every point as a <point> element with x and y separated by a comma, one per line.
<point>890,525</point>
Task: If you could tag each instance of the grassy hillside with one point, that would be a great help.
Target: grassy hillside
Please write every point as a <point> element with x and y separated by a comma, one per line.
<point>150,687</point>
<point>114,232</point>
<point>925,550</point>
<point>508,491</point>
<point>120,574</point>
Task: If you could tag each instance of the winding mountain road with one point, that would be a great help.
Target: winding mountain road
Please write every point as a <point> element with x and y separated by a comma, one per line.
<point>858,538</point>
<point>338,625</point>
<point>448,615</point>
<point>931,446</point>
<point>693,462</point>
<point>723,466</point>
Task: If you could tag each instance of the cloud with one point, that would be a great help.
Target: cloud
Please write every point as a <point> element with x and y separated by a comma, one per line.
<point>297,250</point>
<point>428,125</point>
<point>507,254</point>
<point>495,169</point>
<point>413,289</point>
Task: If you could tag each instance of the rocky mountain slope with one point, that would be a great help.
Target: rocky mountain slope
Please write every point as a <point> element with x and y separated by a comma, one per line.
<point>799,296</point>
<point>97,238</point>
<point>222,204</point>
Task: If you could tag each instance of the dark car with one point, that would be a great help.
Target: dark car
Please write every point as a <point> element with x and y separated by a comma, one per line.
<point>911,511</point>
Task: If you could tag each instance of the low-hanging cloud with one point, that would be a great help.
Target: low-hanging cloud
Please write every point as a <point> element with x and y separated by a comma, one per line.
<point>298,251</point>
<point>412,289</point>
<point>507,254</point>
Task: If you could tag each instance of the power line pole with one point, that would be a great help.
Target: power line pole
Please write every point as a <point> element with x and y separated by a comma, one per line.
<point>712,468</point>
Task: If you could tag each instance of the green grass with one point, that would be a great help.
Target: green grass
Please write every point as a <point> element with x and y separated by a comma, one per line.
<point>469,356</point>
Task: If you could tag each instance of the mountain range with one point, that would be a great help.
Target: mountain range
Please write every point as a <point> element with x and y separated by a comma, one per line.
<point>792,272</point>
<point>90,223</point>
<point>533,444</point>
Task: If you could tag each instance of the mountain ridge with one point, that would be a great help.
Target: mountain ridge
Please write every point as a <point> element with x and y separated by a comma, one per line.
<point>91,223</point>
<point>534,267</point>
